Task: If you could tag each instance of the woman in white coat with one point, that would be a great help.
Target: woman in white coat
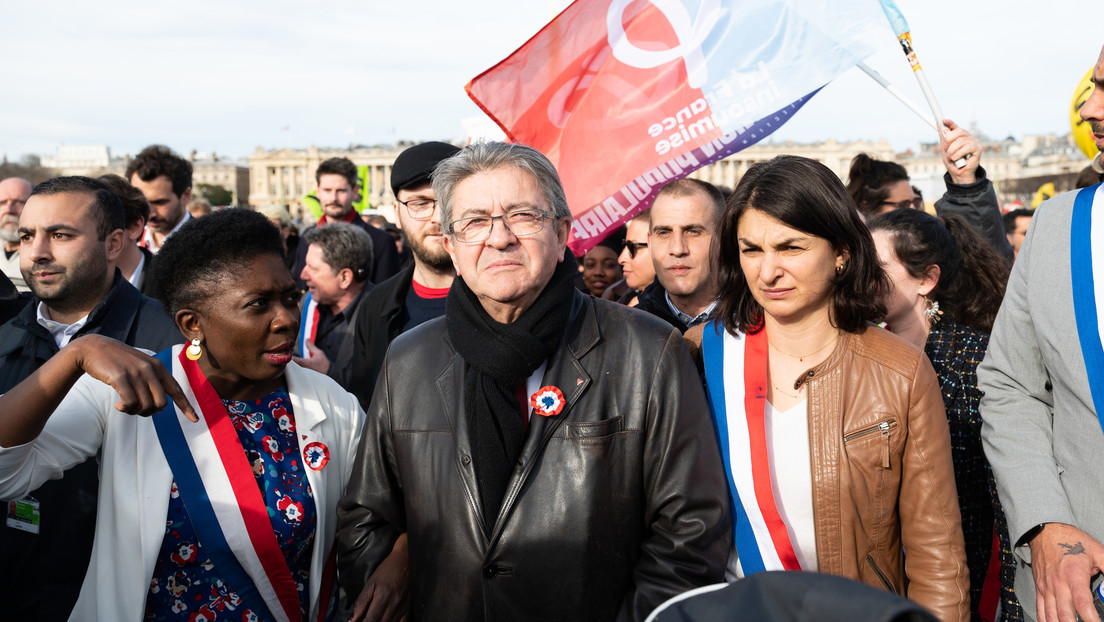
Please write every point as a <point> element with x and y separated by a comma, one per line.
<point>222,504</point>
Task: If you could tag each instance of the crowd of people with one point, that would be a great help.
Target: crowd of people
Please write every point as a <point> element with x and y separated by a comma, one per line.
<point>211,415</point>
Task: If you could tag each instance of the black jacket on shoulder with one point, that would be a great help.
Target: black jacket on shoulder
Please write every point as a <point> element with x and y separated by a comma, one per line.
<point>654,300</point>
<point>378,321</point>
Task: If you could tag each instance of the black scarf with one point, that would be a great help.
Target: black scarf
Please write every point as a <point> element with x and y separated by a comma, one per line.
<point>500,358</point>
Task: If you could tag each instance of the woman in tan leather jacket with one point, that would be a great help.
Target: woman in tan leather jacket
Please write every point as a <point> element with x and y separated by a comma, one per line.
<point>832,430</point>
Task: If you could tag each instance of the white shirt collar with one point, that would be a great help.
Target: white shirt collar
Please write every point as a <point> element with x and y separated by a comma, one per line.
<point>137,274</point>
<point>61,333</point>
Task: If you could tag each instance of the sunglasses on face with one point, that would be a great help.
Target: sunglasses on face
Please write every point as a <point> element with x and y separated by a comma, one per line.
<point>634,246</point>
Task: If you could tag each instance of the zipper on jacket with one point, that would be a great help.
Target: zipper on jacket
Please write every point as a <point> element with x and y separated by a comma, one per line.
<point>882,427</point>
<point>812,467</point>
<point>881,575</point>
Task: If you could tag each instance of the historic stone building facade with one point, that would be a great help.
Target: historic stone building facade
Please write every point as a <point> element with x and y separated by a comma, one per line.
<point>228,174</point>
<point>285,176</point>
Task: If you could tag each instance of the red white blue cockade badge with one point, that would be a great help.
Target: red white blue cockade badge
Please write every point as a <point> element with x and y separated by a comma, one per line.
<point>547,401</point>
<point>317,455</point>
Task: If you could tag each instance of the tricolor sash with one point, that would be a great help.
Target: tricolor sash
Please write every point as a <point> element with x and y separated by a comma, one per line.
<point>1087,274</point>
<point>736,377</point>
<point>308,328</point>
<point>224,504</point>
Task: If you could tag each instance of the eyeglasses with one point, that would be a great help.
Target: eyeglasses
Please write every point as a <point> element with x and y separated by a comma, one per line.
<point>634,247</point>
<point>914,203</point>
<point>521,223</point>
<point>419,208</point>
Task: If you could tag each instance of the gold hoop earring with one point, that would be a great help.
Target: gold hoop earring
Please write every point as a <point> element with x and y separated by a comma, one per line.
<point>194,351</point>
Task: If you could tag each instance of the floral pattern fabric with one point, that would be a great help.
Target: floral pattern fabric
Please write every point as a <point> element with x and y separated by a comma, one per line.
<point>186,585</point>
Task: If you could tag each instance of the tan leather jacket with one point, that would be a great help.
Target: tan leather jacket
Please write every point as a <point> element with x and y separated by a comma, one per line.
<point>883,482</point>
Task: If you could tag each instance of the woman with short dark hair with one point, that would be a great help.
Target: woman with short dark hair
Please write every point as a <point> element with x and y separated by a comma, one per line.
<point>832,430</point>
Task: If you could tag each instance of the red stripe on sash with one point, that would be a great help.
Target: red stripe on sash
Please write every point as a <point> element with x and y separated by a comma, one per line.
<point>247,495</point>
<point>756,366</point>
<point>314,324</point>
<point>327,589</point>
<point>990,591</point>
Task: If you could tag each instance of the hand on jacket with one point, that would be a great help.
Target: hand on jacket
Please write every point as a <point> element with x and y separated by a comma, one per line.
<point>1063,561</point>
<point>386,595</point>
<point>956,143</point>
<point>317,361</point>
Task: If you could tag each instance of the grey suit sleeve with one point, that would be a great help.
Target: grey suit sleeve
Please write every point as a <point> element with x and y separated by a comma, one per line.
<point>1018,403</point>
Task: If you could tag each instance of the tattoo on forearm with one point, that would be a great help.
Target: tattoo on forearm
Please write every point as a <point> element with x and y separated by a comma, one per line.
<point>1072,549</point>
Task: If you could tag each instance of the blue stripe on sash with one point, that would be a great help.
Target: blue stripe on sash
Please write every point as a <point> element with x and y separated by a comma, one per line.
<point>304,326</point>
<point>194,494</point>
<point>751,560</point>
<point>1084,296</point>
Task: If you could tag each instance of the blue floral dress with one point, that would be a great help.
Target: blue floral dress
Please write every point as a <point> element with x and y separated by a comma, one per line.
<point>186,585</point>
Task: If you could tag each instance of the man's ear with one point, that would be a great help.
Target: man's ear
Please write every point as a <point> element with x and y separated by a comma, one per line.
<point>113,244</point>
<point>398,221</point>
<point>135,229</point>
<point>450,247</point>
<point>563,229</point>
<point>345,278</point>
<point>186,197</point>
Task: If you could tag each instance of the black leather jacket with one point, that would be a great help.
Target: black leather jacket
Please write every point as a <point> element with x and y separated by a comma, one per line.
<point>616,504</point>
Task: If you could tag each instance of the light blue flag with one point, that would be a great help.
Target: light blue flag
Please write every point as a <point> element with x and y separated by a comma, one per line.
<point>896,18</point>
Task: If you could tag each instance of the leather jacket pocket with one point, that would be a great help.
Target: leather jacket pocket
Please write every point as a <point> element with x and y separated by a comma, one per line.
<point>884,428</point>
<point>873,484</point>
<point>882,577</point>
<point>593,429</point>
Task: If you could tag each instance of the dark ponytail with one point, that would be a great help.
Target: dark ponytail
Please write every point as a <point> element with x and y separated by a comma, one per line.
<point>869,180</point>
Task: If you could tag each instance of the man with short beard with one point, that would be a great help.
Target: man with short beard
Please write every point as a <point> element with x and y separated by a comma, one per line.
<point>71,234</point>
<point>14,192</point>
<point>417,293</point>
<point>337,188</point>
<point>166,181</point>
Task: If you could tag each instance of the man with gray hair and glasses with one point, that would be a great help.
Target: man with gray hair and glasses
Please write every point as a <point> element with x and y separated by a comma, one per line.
<point>541,455</point>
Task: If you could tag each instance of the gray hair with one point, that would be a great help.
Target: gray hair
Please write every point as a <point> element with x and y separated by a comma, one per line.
<point>343,246</point>
<point>487,156</point>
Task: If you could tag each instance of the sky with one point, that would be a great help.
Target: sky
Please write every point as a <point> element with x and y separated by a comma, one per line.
<point>229,77</point>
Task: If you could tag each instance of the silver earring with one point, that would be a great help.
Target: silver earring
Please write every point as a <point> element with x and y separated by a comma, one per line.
<point>932,313</point>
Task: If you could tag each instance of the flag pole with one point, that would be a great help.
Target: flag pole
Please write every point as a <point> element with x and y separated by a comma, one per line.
<point>913,106</point>
<point>901,28</point>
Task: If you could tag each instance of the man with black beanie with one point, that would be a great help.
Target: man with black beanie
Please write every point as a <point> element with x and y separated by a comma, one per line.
<point>417,293</point>
<point>538,453</point>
